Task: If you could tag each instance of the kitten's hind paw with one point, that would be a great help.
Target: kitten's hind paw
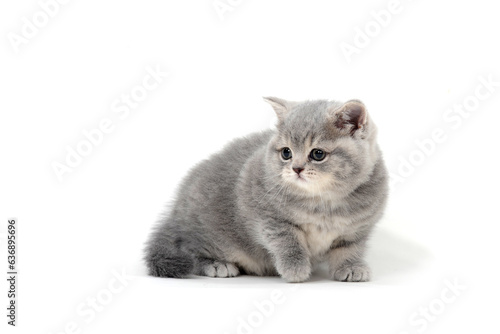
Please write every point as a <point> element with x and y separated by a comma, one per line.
<point>219,269</point>
<point>352,273</point>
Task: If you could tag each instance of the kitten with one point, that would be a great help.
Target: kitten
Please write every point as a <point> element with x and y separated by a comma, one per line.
<point>278,202</point>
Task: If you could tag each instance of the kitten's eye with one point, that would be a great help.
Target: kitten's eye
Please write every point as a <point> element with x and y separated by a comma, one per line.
<point>286,153</point>
<point>317,154</point>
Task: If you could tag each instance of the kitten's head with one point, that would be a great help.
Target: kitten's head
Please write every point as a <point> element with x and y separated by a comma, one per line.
<point>322,145</point>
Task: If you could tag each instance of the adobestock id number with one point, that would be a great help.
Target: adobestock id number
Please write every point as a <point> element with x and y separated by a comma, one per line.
<point>11,244</point>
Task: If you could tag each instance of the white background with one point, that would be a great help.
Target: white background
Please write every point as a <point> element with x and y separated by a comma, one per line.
<point>441,224</point>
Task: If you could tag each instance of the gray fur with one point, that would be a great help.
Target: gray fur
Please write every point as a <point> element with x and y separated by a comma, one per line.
<point>244,210</point>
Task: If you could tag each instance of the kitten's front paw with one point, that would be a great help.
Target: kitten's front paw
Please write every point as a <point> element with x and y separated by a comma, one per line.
<point>295,273</point>
<point>352,273</point>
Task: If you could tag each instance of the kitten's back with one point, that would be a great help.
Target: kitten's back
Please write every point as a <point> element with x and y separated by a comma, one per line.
<point>201,216</point>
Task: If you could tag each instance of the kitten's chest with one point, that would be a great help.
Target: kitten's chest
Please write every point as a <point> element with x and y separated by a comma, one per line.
<point>321,227</point>
<point>323,219</point>
<point>318,239</point>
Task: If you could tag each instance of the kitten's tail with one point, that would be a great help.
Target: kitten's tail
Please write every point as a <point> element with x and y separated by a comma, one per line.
<point>166,260</point>
<point>171,266</point>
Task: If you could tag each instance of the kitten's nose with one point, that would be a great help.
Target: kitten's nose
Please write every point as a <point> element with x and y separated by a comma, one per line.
<point>297,169</point>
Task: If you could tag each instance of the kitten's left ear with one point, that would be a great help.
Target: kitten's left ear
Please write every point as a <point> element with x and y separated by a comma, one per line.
<point>351,116</point>
<point>280,106</point>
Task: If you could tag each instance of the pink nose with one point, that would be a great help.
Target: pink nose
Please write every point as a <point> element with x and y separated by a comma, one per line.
<point>297,169</point>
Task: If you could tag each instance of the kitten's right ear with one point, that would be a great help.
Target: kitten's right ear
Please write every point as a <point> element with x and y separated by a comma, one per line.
<point>350,116</point>
<point>280,106</point>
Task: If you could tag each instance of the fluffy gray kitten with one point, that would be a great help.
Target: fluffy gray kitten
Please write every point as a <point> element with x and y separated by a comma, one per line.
<point>278,202</point>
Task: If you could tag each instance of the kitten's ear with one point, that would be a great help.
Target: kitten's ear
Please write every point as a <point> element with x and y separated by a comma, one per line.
<point>280,106</point>
<point>350,116</point>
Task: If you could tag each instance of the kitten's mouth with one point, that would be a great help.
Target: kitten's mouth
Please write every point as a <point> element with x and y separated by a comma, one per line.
<point>300,178</point>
